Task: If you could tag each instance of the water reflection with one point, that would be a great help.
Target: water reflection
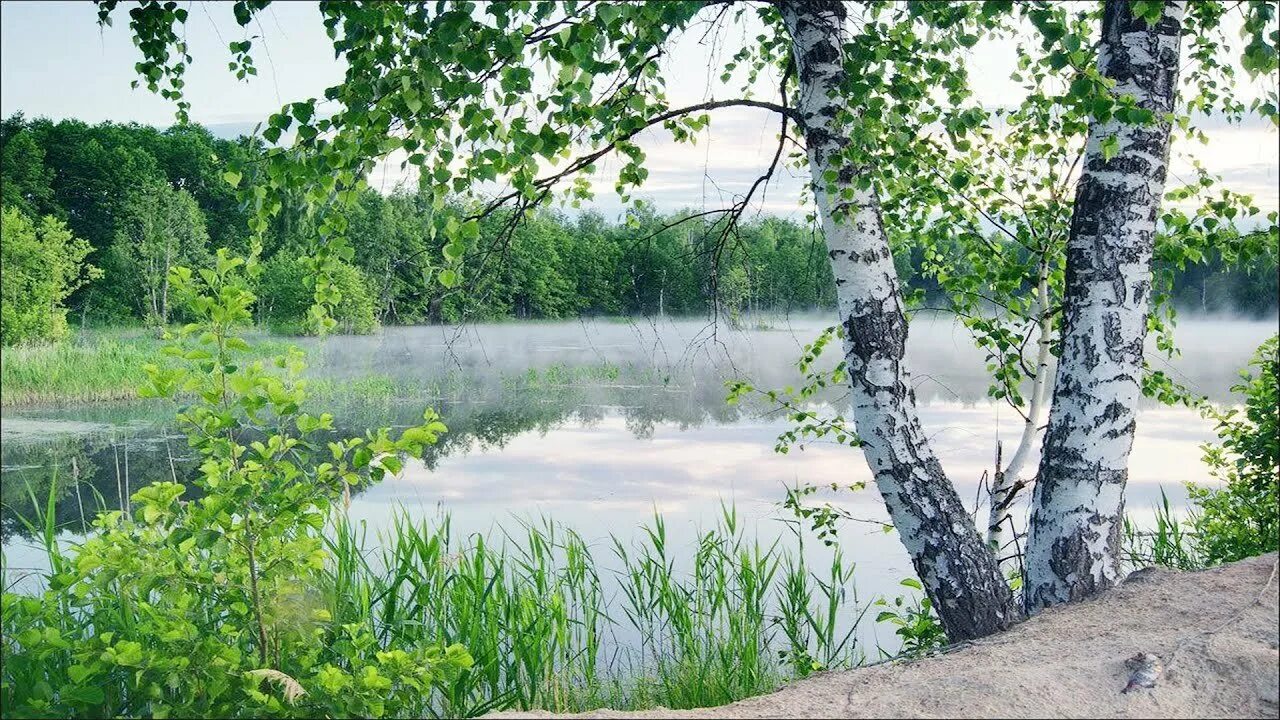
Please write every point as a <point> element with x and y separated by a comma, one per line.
<point>598,423</point>
<point>100,464</point>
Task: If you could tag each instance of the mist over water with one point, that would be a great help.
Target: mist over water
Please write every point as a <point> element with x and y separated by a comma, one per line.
<point>943,360</point>
<point>599,423</point>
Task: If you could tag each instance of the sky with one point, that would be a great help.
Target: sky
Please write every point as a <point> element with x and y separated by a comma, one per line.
<point>56,62</point>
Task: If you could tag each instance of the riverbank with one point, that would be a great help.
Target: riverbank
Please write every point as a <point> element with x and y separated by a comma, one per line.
<point>107,365</point>
<point>414,361</point>
<point>1214,631</point>
<point>93,366</point>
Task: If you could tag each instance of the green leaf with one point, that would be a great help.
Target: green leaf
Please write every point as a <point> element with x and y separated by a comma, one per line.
<point>89,695</point>
<point>1110,147</point>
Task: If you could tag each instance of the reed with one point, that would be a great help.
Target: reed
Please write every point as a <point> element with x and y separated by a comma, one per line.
<point>549,626</point>
<point>551,621</point>
<point>99,366</point>
<point>1168,543</point>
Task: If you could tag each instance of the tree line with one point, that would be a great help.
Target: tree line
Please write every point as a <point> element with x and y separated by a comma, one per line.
<point>140,200</point>
<point>112,207</point>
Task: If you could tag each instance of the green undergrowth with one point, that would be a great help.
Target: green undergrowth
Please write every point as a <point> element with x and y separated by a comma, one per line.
<point>254,596</point>
<point>97,366</point>
<point>1239,517</point>
<point>547,619</point>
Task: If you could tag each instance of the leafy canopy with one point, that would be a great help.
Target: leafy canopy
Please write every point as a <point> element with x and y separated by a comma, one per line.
<point>513,100</point>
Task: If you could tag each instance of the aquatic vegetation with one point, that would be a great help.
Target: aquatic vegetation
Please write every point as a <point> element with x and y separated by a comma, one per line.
<point>547,621</point>
<point>1168,542</point>
<point>107,365</point>
<point>551,624</point>
<point>255,595</point>
<point>100,365</point>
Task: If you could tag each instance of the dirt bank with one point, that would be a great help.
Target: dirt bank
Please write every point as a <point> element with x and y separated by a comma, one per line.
<point>1216,633</point>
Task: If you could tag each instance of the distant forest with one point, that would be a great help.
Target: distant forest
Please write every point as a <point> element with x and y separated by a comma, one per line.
<point>145,199</point>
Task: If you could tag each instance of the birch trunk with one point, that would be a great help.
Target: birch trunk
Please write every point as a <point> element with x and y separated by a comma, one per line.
<point>1074,539</point>
<point>957,569</point>
<point>164,285</point>
<point>1008,480</point>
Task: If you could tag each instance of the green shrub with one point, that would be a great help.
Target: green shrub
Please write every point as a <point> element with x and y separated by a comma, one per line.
<point>917,625</point>
<point>214,607</point>
<point>286,294</point>
<point>43,264</point>
<point>1242,519</point>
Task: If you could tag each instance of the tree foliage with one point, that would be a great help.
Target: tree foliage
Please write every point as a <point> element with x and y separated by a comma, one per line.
<point>1242,518</point>
<point>563,265</point>
<point>43,264</point>
<point>160,228</point>
<point>286,289</point>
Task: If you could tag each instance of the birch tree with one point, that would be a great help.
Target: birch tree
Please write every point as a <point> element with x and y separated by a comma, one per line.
<point>1117,226</point>
<point>1076,524</point>
<point>989,212</point>
<point>161,229</point>
<point>971,597</point>
<point>513,105</point>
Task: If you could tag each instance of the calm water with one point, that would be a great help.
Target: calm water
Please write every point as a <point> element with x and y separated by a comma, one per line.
<point>597,424</point>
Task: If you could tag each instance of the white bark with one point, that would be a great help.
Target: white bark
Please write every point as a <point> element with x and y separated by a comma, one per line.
<point>1008,480</point>
<point>958,571</point>
<point>1074,538</point>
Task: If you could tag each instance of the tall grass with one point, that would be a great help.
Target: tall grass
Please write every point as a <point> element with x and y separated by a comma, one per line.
<point>70,372</point>
<point>554,623</point>
<point>1168,544</point>
<point>550,625</point>
<point>106,365</point>
<point>99,366</point>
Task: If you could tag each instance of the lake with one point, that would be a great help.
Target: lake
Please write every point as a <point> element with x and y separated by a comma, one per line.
<point>597,424</point>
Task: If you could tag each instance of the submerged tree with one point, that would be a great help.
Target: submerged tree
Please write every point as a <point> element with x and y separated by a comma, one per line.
<point>512,101</point>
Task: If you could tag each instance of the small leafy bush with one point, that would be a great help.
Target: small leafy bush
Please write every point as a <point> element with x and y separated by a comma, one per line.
<point>217,607</point>
<point>43,264</point>
<point>916,623</point>
<point>287,290</point>
<point>1242,519</point>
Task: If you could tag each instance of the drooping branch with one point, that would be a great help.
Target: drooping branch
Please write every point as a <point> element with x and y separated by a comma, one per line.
<point>584,161</point>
